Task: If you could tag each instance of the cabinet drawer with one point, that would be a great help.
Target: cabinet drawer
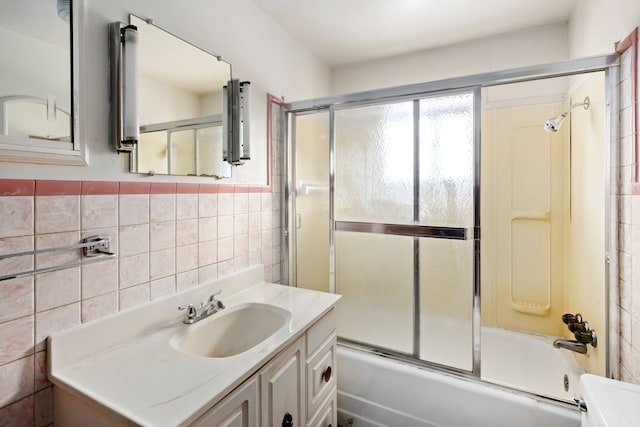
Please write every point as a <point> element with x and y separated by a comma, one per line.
<point>320,331</point>
<point>321,374</point>
<point>327,415</point>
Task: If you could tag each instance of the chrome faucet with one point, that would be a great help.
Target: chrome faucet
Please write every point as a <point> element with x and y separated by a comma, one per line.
<point>206,309</point>
<point>572,345</point>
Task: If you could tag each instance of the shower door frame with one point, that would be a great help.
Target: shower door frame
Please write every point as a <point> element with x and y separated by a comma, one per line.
<point>473,83</point>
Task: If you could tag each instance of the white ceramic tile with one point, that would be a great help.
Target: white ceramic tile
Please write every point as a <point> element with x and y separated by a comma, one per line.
<point>241,245</point>
<point>267,202</point>
<point>16,298</point>
<point>162,207</point>
<point>635,210</point>
<point>100,211</point>
<point>275,273</point>
<point>625,122</point>
<point>207,253</point>
<point>625,296</point>
<point>43,407</point>
<point>267,257</point>
<point>225,249</point>
<point>17,216</point>
<point>635,240</point>
<point>266,220</point>
<point>240,224</point>
<point>624,237</point>
<point>162,287</point>
<point>40,371</point>
<point>17,380</point>
<point>275,255</point>
<point>225,204</point>
<point>207,229</point>
<point>56,320</point>
<point>255,258</point>
<point>255,241</point>
<point>225,268</point>
<point>241,262</point>
<point>16,339</point>
<point>254,222</point>
<point>208,272</point>
<point>625,266</point>
<point>186,206</point>
<point>134,296</point>
<point>162,263</point>
<point>268,275</point>
<point>225,226</point>
<point>162,235</point>
<point>186,258</point>
<point>100,306</point>
<point>57,288</point>
<point>625,93</point>
<point>99,278</point>
<point>255,202</point>
<point>187,279</point>
<point>187,232</point>
<point>626,61</point>
<point>625,210</point>
<point>207,205</point>
<point>134,270</point>
<point>133,239</point>
<point>267,240</point>
<point>133,209</point>
<point>276,236</point>
<point>57,213</point>
<point>54,240</point>
<point>241,203</point>
<point>18,414</point>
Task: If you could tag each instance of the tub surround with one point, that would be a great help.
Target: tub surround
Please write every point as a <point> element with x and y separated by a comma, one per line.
<point>125,362</point>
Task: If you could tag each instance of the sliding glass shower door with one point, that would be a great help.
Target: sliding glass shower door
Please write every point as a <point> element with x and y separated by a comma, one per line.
<point>400,190</point>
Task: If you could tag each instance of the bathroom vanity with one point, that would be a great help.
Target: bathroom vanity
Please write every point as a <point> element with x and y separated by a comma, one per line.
<point>267,359</point>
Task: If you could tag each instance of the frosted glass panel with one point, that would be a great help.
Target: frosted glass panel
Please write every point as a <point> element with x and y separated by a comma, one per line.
<point>446,161</point>
<point>374,274</point>
<point>152,155</point>
<point>183,153</point>
<point>446,302</point>
<point>312,201</point>
<point>210,151</point>
<point>374,163</point>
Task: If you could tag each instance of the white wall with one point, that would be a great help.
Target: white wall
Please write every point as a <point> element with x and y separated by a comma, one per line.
<point>528,47</point>
<point>259,49</point>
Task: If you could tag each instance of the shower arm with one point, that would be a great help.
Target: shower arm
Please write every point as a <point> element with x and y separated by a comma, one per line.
<point>584,104</point>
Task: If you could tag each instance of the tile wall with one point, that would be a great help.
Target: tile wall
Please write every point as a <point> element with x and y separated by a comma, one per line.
<point>167,237</point>
<point>627,316</point>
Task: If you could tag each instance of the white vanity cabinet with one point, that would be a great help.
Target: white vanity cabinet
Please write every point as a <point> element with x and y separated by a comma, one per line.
<point>133,368</point>
<point>298,386</point>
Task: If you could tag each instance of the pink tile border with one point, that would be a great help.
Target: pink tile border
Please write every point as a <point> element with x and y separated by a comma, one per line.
<point>135,187</point>
<point>25,187</point>
<point>58,188</point>
<point>186,188</point>
<point>97,188</point>
<point>163,188</point>
<point>17,187</point>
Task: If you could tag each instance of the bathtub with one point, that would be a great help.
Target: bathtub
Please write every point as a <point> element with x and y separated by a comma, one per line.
<point>375,391</point>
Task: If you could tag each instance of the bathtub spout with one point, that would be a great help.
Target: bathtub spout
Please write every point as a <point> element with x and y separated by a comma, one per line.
<point>572,345</point>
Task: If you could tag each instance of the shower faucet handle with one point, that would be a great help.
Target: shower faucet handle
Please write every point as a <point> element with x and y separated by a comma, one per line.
<point>571,318</point>
<point>579,327</point>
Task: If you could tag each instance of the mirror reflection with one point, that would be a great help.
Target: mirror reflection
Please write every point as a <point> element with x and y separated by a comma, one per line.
<point>35,88</point>
<point>180,106</point>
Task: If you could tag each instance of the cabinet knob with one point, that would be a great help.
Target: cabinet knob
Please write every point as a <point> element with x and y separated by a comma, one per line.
<point>326,375</point>
<point>287,421</point>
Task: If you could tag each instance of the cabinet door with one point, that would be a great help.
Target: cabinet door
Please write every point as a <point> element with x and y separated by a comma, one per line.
<point>282,386</point>
<point>239,409</point>
<point>327,415</point>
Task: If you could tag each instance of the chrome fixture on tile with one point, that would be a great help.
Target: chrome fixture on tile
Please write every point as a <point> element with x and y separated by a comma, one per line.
<point>206,309</point>
<point>582,332</point>
<point>94,246</point>
<point>554,124</point>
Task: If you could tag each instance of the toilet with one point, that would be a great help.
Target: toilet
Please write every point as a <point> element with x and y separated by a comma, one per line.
<point>609,403</point>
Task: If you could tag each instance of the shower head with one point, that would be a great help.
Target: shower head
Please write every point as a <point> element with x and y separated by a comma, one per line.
<point>554,124</point>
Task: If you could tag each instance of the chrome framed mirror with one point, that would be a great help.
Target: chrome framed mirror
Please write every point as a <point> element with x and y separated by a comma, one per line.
<point>38,91</point>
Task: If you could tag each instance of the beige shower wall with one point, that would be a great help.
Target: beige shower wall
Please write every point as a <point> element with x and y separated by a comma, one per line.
<point>585,232</point>
<point>523,216</point>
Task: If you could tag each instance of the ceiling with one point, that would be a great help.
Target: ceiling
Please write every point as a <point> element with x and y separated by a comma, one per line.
<point>347,31</point>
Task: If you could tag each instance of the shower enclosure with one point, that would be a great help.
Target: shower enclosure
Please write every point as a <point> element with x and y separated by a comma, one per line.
<point>384,203</point>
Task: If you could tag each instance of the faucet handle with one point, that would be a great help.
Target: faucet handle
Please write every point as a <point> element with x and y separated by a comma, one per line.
<point>191,310</point>
<point>212,298</point>
<point>571,318</point>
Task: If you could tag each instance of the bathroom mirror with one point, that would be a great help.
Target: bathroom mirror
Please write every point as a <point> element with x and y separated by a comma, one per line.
<point>36,103</point>
<point>180,106</point>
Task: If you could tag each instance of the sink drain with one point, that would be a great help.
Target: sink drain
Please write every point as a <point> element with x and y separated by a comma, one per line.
<point>566,382</point>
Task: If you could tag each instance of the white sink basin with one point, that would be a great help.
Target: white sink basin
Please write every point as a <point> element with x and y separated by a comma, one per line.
<point>232,331</point>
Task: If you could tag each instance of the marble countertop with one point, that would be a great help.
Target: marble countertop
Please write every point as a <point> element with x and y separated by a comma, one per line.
<point>126,364</point>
